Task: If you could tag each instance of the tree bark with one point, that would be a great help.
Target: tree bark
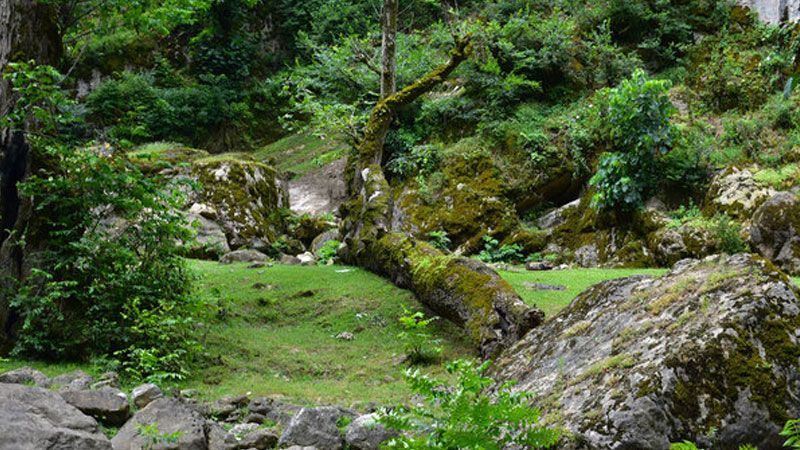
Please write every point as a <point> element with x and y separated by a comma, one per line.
<point>462,290</point>
<point>28,31</point>
<point>389,49</point>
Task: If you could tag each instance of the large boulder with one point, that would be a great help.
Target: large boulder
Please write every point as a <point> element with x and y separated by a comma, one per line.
<point>245,194</point>
<point>33,418</point>
<point>210,241</point>
<point>366,433</point>
<point>641,362</point>
<point>316,427</point>
<point>735,192</point>
<point>774,12</point>
<point>25,375</point>
<point>775,232</point>
<point>108,405</point>
<point>169,416</point>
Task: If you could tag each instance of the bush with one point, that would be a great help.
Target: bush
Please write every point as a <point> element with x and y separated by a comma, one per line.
<point>506,253</point>
<point>729,235</point>
<point>440,240</point>
<point>418,341</point>
<point>640,132</point>
<point>328,251</point>
<point>464,416</point>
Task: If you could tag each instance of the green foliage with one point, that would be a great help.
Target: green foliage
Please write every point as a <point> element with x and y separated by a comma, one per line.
<point>418,341</point>
<point>440,240</point>
<point>153,437</point>
<point>328,251</point>
<point>729,234</point>
<point>684,214</point>
<point>640,131</point>
<point>464,416</point>
<point>109,278</point>
<point>492,251</point>
<point>791,431</point>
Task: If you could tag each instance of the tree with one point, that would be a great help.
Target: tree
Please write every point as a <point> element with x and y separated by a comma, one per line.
<point>460,289</point>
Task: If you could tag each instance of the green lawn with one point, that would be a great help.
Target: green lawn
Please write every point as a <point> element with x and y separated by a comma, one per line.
<point>301,153</point>
<point>575,281</point>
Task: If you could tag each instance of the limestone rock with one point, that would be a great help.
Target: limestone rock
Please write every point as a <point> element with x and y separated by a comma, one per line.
<point>244,256</point>
<point>307,259</point>
<point>736,193</point>
<point>642,362</point>
<point>170,416</point>
<point>259,439</point>
<point>774,12</point>
<point>144,394</point>
<point>556,217</point>
<point>671,245</point>
<point>365,433</point>
<point>76,381</point>
<point>273,410</point>
<point>775,232</point>
<point>290,260</point>
<point>317,427</point>
<point>25,375</point>
<point>108,405</point>
<point>210,242</point>
<point>33,418</point>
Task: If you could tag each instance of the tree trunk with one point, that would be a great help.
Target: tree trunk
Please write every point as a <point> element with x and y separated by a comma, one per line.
<point>462,290</point>
<point>389,49</point>
<point>28,31</point>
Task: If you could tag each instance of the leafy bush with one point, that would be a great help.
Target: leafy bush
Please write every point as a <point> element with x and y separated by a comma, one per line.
<point>506,253</point>
<point>418,341</point>
<point>328,251</point>
<point>729,235</point>
<point>640,131</point>
<point>464,416</point>
<point>684,214</point>
<point>440,240</point>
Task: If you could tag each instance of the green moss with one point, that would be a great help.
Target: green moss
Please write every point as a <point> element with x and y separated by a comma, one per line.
<point>622,360</point>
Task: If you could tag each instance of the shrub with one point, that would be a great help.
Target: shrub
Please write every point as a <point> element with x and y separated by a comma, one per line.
<point>506,253</point>
<point>729,235</point>
<point>464,416</point>
<point>640,131</point>
<point>418,341</point>
<point>328,251</point>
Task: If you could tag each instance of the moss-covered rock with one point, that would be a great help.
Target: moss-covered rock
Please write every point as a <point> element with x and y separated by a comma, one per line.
<point>160,157</point>
<point>245,194</point>
<point>736,193</point>
<point>672,244</point>
<point>642,362</point>
<point>775,232</point>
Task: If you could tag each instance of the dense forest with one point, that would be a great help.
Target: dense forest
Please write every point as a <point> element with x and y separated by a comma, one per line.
<point>399,224</point>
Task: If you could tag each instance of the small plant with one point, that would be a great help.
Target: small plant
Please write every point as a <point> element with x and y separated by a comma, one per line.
<point>328,251</point>
<point>791,431</point>
<point>440,240</point>
<point>419,344</point>
<point>153,437</point>
<point>683,215</point>
<point>464,416</point>
<point>729,234</point>
<point>492,251</point>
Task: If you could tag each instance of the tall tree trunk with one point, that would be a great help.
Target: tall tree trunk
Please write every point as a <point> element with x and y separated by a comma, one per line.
<point>389,49</point>
<point>463,290</point>
<point>28,31</point>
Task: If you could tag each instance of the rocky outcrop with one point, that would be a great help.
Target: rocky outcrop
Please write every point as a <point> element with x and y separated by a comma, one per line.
<point>33,418</point>
<point>775,232</point>
<point>245,195</point>
<point>736,193</point>
<point>774,12</point>
<point>642,362</point>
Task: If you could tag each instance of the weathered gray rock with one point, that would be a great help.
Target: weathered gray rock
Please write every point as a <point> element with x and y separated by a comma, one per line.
<point>322,239</point>
<point>775,232</point>
<point>307,259</point>
<point>556,217</point>
<point>273,410</point>
<point>170,416</point>
<point>108,379</point>
<point>642,362</point>
<point>774,11</point>
<point>365,433</point>
<point>210,241</point>
<point>226,407</point>
<point>260,439</point>
<point>671,245</point>
<point>25,375</point>
<point>108,405</point>
<point>144,394</point>
<point>75,381</point>
<point>290,260</point>
<point>587,256</point>
<point>317,427</point>
<point>245,256</point>
<point>735,192</point>
<point>33,418</point>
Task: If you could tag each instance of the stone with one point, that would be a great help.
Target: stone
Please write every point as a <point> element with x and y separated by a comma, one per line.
<point>225,407</point>
<point>25,375</point>
<point>210,242</point>
<point>366,433</point>
<point>219,439</point>
<point>170,416</point>
<point>272,410</point>
<point>345,336</point>
<point>641,362</point>
<point>538,266</point>
<point>556,217</point>
<point>317,427</point>
<point>587,256</point>
<point>243,256</point>
<point>108,379</point>
<point>245,194</point>
<point>735,192</point>
<point>260,439</point>
<point>671,245</point>
<point>307,259</point>
<point>774,12</point>
<point>144,394</point>
<point>322,239</point>
<point>107,405</point>
<point>290,260</point>
<point>76,381</point>
<point>775,231</point>
<point>33,418</point>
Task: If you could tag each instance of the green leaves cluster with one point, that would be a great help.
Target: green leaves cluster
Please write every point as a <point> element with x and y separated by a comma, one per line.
<point>417,338</point>
<point>465,415</point>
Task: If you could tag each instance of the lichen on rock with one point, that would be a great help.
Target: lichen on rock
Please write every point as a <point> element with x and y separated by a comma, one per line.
<point>713,345</point>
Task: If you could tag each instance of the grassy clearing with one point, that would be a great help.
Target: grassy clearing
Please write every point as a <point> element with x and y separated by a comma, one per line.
<point>575,281</point>
<point>280,335</point>
<point>301,153</point>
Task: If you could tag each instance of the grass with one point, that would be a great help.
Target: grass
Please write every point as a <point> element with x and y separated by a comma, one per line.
<point>575,281</point>
<point>280,336</point>
<point>301,153</point>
